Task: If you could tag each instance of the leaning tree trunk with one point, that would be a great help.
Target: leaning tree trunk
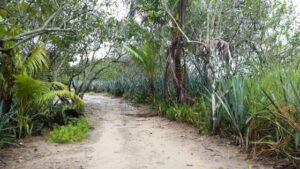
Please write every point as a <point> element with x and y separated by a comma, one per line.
<point>174,64</point>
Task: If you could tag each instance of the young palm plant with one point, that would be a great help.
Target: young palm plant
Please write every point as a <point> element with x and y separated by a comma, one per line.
<point>146,57</point>
<point>32,95</point>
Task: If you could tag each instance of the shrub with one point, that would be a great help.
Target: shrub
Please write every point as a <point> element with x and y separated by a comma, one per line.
<point>72,132</point>
<point>197,115</point>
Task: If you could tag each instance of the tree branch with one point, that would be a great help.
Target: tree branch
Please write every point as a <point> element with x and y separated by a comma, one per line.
<point>26,36</point>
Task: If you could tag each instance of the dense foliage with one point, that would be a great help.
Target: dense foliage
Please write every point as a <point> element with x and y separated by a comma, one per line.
<point>229,67</point>
<point>239,65</point>
<point>39,41</point>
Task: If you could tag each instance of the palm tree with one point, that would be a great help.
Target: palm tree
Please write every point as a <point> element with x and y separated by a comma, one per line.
<point>31,94</point>
<point>147,58</point>
<point>15,64</point>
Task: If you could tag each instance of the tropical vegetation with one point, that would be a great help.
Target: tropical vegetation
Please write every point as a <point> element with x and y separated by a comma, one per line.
<point>228,67</point>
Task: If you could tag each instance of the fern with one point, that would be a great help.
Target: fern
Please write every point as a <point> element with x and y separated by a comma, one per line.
<point>6,132</point>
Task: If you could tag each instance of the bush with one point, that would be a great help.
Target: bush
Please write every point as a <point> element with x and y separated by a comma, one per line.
<point>197,115</point>
<point>72,132</point>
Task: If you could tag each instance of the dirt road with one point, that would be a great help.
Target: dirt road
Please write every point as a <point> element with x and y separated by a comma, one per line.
<point>125,142</point>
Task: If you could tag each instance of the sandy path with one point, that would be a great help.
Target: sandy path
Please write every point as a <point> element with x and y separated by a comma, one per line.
<point>123,142</point>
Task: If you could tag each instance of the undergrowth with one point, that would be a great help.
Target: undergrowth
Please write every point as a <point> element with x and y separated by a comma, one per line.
<point>70,133</point>
<point>260,113</point>
<point>197,115</point>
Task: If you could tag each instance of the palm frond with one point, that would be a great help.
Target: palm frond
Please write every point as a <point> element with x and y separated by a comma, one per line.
<point>27,89</point>
<point>145,56</point>
<point>61,85</point>
<point>61,93</point>
<point>37,60</point>
<point>136,55</point>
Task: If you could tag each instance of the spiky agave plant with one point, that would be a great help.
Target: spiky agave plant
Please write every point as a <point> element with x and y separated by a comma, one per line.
<point>272,101</point>
<point>284,114</point>
<point>6,131</point>
<point>7,134</point>
<point>235,109</point>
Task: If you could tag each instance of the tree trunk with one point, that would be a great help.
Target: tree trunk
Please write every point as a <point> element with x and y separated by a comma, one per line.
<point>6,86</point>
<point>175,55</point>
<point>152,87</point>
<point>166,90</point>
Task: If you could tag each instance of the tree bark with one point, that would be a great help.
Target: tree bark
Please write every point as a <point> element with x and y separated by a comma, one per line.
<point>6,86</point>
<point>175,54</point>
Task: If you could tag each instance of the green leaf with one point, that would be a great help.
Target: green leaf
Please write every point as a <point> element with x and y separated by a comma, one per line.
<point>24,6</point>
<point>297,138</point>
<point>37,60</point>
<point>3,13</point>
<point>2,30</point>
